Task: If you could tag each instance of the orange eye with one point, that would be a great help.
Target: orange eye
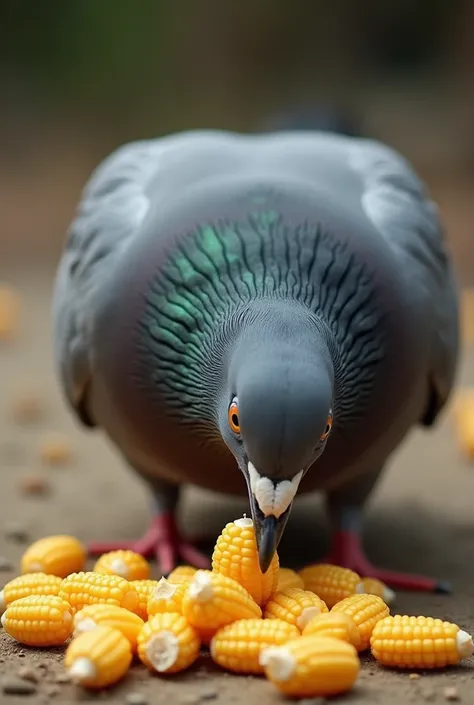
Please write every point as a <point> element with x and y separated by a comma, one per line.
<point>233,415</point>
<point>327,430</point>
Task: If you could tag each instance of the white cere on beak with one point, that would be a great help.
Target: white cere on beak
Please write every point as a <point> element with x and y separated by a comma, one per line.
<point>272,498</point>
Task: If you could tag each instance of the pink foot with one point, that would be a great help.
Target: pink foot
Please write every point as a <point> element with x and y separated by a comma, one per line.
<point>346,551</point>
<point>163,541</point>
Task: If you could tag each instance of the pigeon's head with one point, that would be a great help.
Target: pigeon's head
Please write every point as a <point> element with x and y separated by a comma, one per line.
<point>276,416</point>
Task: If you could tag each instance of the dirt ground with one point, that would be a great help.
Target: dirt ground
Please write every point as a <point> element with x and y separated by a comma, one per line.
<point>420,519</point>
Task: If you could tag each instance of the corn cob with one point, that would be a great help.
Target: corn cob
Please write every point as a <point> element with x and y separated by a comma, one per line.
<point>372,586</point>
<point>166,598</point>
<point>98,658</point>
<point>168,644</point>
<point>294,606</point>
<point>26,585</point>
<point>311,666</point>
<point>38,620</point>
<point>330,582</point>
<point>236,556</point>
<point>366,611</point>
<point>81,589</point>
<point>181,574</point>
<point>54,555</point>
<point>237,646</point>
<point>401,641</point>
<point>213,601</point>
<point>93,616</point>
<point>289,578</point>
<point>144,589</point>
<point>127,564</point>
<point>337,625</point>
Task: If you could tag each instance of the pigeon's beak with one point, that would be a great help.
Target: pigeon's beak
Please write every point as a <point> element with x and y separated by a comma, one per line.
<point>270,504</point>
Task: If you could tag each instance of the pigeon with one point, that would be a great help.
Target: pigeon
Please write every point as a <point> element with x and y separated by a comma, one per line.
<point>259,315</point>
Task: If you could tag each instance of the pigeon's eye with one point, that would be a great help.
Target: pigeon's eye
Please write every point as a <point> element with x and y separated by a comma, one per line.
<point>233,415</point>
<point>327,430</point>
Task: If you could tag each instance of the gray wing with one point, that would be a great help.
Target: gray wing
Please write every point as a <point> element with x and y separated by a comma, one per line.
<point>397,203</point>
<point>112,207</point>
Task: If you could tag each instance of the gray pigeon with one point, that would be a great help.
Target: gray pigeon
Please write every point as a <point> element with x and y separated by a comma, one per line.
<point>269,314</point>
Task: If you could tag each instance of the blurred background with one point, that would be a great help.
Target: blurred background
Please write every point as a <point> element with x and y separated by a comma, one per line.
<point>78,78</point>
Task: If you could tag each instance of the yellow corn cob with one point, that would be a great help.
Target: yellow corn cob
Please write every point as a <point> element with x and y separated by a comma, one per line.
<point>81,589</point>
<point>419,642</point>
<point>168,644</point>
<point>98,615</point>
<point>55,555</point>
<point>289,578</point>
<point>181,574</point>
<point>38,620</point>
<point>330,582</point>
<point>372,586</point>
<point>334,624</point>
<point>166,598</point>
<point>294,606</point>
<point>98,658</point>
<point>237,646</point>
<point>366,611</point>
<point>144,589</point>
<point>213,601</point>
<point>127,564</point>
<point>311,666</point>
<point>26,585</point>
<point>236,556</point>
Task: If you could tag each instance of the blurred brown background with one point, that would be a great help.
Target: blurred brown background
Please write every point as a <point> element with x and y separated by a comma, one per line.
<point>79,77</point>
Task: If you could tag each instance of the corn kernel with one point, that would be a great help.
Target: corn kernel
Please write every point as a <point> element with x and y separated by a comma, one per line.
<point>55,555</point>
<point>372,586</point>
<point>401,641</point>
<point>294,606</point>
<point>181,574</point>
<point>26,585</point>
<point>311,666</point>
<point>38,620</point>
<point>330,582</point>
<point>168,644</point>
<point>213,601</point>
<point>55,450</point>
<point>144,589</point>
<point>236,556</point>
<point>100,614</point>
<point>166,597</point>
<point>9,312</point>
<point>127,564</point>
<point>337,625</point>
<point>366,611</point>
<point>98,658</point>
<point>81,589</point>
<point>237,646</point>
<point>288,578</point>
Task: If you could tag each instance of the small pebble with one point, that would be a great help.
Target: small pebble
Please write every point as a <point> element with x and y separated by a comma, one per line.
<point>136,699</point>
<point>61,678</point>
<point>5,564</point>
<point>16,532</point>
<point>451,693</point>
<point>414,676</point>
<point>55,450</point>
<point>28,674</point>
<point>210,694</point>
<point>34,485</point>
<point>17,686</point>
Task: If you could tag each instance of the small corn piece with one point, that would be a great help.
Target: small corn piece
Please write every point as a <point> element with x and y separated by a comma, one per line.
<point>55,555</point>
<point>401,641</point>
<point>10,308</point>
<point>127,564</point>
<point>311,666</point>
<point>294,606</point>
<point>372,586</point>
<point>330,582</point>
<point>236,556</point>
<point>55,450</point>
<point>81,589</point>
<point>366,611</point>
<point>168,644</point>
<point>237,646</point>
<point>94,616</point>
<point>166,598</point>
<point>98,658</point>
<point>144,589</point>
<point>288,578</point>
<point>213,601</point>
<point>26,585</point>
<point>181,574</point>
<point>38,620</point>
<point>337,625</point>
